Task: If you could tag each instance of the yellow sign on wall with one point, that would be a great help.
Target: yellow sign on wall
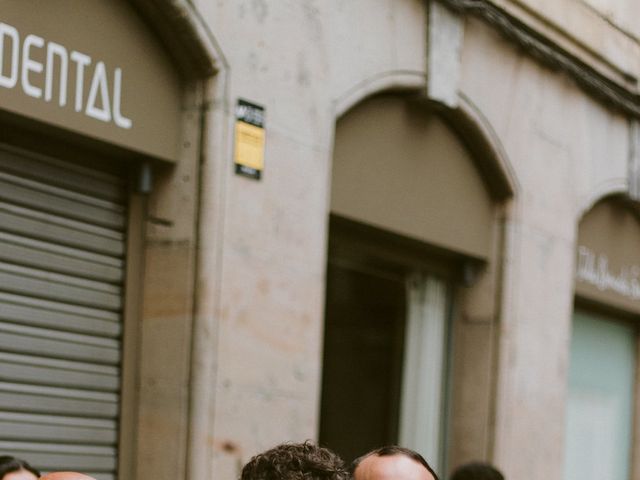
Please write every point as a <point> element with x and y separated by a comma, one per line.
<point>249,139</point>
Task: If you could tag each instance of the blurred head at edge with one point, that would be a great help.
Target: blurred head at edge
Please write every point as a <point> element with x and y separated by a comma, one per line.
<point>12,468</point>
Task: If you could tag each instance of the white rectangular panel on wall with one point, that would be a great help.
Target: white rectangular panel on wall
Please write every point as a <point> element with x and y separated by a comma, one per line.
<point>62,247</point>
<point>600,398</point>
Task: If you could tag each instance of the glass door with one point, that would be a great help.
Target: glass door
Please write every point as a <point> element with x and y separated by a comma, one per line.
<point>600,398</point>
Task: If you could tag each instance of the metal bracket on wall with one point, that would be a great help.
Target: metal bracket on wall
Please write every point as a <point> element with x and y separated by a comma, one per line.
<point>470,273</point>
<point>145,178</point>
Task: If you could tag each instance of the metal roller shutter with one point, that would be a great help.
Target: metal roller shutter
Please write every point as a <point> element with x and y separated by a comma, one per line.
<point>62,245</point>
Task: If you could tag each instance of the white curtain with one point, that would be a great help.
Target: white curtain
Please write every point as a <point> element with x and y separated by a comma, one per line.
<point>424,363</point>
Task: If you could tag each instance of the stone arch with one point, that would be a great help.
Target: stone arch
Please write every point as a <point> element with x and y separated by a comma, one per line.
<point>477,132</point>
<point>407,164</point>
<point>469,123</point>
<point>186,37</point>
<point>466,131</point>
<point>403,80</point>
<point>602,192</point>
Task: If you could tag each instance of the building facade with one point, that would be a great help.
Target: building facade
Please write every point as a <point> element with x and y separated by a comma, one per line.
<point>226,225</point>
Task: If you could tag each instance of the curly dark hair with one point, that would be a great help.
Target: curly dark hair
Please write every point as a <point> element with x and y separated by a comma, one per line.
<point>295,461</point>
<point>477,471</point>
<point>10,464</point>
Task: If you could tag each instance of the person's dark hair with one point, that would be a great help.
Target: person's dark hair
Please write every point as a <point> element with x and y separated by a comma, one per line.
<point>11,464</point>
<point>390,450</point>
<point>295,461</point>
<point>477,471</point>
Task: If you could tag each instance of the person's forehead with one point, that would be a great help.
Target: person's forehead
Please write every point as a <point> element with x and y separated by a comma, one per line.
<point>391,467</point>
<point>66,476</point>
<point>19,475</point>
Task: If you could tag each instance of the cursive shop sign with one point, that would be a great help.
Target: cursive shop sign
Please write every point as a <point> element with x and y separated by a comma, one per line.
<point>595,269</point>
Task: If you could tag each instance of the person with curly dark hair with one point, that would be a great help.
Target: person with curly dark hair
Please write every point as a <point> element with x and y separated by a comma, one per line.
<point>295,461</point>
<point>12,468</point>
<point>392,463</point>
<point>477,471</point>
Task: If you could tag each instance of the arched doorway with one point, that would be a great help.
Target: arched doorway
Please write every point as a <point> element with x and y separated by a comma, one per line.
<point>412,229</point>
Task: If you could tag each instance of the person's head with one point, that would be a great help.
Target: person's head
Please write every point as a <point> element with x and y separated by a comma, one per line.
<point>295,461</point>
<point>392,463</point>
<point>66,476</point>
<point>476,471</point>
<point>12,468</point>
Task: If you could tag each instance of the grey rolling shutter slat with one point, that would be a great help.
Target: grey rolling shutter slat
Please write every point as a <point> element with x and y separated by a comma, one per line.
<point>41,313</point>
<point>25,368</point>
<point>99,476</point>
<point>26,342</point>
<point>49,228</point>
<point>35,254</point>
<point>65,457</point>
<point>63,175</point>
<point>62,243</point>
<point>49,202</point>
<point>63,401</point>
<point>54,287</point>
<point>21,427</point>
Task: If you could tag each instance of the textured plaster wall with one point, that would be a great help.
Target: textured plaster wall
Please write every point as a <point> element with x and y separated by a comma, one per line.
<point>307,62</point>
<point>566,150</point>
<point>603,33</point>
<point>623,13</point>
<point>302,61</point>
<point>163,338</point>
